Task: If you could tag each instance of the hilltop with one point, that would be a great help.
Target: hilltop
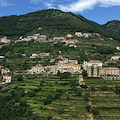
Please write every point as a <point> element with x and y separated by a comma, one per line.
<point>113,26</point>
<point>51,22</point>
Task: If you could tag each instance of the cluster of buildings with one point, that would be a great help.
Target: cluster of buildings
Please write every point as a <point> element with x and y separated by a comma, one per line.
<point>35,37</point>
<point>6,79</point>
<point>86,35</point>
<point>4,40</point>
<point>63,65</point>
<point>94,69</point>
<point>40,55</point>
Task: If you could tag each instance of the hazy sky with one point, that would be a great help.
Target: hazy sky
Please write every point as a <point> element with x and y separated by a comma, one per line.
<point>99,11</point>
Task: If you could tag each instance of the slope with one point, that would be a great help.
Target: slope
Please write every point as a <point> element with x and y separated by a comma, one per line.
<point>53,22</point>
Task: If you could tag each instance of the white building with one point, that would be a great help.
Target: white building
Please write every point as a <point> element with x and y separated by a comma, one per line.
<point>5,40</point>
<point>69,35</point>
<point>94,68</point>
<point>79,34</point>
<point>37,69</point>
<point>115,58</point>
<point>7,79</point>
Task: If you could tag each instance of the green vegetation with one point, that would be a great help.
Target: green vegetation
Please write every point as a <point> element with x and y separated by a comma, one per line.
<point>53,23</point>
<point>113,26</point>
<point>38,97</point>
<point>16,61</point>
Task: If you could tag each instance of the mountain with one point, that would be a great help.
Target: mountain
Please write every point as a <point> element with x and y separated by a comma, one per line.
<point>113,27</point>
<point>51,21</point>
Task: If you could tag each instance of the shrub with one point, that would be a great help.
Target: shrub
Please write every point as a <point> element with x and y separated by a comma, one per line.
<point>95,111</point>
<point>49,117</point>
<point>60,110</point>
<point>67,97</point>
<point>31,93</point>
<point>83,86</point>
<point>79,92</point>
<point>19,77</point>
<point>86,96</point>
<point>47,101</point>
<point>88,107</point>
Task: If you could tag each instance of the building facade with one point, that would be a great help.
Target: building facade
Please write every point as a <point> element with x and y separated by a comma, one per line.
<point>94,68</point>
<point>111,73</point>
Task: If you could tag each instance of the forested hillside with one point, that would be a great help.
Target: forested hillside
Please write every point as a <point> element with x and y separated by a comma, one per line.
<point>52,22</point>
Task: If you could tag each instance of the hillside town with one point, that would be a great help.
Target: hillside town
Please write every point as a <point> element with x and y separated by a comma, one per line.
<point>57,65</point>
<point>94,68</point>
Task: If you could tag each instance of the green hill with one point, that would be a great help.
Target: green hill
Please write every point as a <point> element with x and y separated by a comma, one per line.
<point>113,26</point>
<point>53,22</point>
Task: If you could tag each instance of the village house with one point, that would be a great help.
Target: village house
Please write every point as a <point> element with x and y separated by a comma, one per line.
<point>7,79</point>
<point>52,60</point>
<point>35,36</point>
<point>79,34</point>
<point>5,40</point>
<point>117,47</point>
<point>58,39</point>
<point>1,57</point>
<point>115,58</point>
<point>60,52</point>
<point>73,61</point>
<point>38,69</point>
<point>96,34</point>
<point>51,69</point>
<point>86,35</point>
<point>72,68</point>
<point>61,63</point>
<point>70,41</point>
<point>34,55</point>
<point>111,74</point>
<point>69,35</point>
<point>5,71</point>
<point>42,38</point>
<point>60,57</point>
<point>44,54</point>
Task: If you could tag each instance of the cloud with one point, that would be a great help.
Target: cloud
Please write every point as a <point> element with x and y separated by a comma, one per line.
<point>5,3</point>
<point>35,1</point>
<point>82,5</point>
<point>47,3</point>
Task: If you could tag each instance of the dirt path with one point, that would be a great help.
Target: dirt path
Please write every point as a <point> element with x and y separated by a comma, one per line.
<point>91,114</point>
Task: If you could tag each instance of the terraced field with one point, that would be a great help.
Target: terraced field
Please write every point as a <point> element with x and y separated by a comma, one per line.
<point>50,97</point>
<point>104,99</point>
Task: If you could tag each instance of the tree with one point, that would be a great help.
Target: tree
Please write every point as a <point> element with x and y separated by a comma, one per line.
<point>84,73</point>
<point>23,104</point>
<point>88,107</point>
<point>19,77</point>
<point>58,73</point>
<point>86,96</point>
<point>95,111</point>
<point>79,92</point>
<point>65,75</point>
<point>60,110</point>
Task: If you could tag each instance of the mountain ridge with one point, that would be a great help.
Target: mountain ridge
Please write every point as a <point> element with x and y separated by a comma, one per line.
<point>52,21</point>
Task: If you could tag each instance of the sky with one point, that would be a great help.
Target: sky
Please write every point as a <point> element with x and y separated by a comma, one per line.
<point>100,11</point>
